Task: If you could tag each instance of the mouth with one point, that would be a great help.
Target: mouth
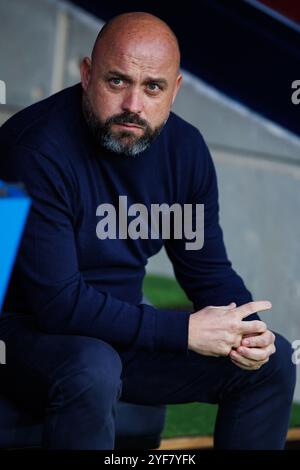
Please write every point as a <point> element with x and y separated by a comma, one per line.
<point>128,125</point>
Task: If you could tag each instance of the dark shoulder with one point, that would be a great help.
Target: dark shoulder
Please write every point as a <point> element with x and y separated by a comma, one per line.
<point>181,131</point>
<point>187,155</point>
<point>185,141</point>
<point>43,126</point>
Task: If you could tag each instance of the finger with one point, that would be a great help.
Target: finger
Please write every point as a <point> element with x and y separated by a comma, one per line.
<point>232,305</point>
<point>225,307</point>
<point>252,327</point>
<point>241,366</point>
<point>251,334</point>
<point>244,361</point>
<point>259,341</point>
<point>253,307</point>
<point>239,359</point>
<point>256,354</point>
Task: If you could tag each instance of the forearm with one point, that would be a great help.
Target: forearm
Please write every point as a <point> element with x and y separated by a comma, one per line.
<point>79,309</point>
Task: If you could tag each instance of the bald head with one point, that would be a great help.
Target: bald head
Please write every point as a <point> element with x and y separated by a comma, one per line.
<point>140,28</point>
<point>131,81</point>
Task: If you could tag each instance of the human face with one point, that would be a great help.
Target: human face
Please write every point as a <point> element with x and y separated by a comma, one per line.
<point>129,91</point>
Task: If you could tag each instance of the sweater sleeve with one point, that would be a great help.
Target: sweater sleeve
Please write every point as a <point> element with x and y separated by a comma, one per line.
<point>206,274</point>
<point>55,291</point>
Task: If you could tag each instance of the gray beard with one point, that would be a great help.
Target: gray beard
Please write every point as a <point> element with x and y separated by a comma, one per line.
<point>123,142</point>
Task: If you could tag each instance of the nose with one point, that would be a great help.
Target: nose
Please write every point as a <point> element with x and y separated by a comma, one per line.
<point>132,101</point>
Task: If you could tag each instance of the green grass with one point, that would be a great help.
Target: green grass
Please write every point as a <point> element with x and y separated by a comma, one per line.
<point>164,292</point>
<point>295,417</point>
<point>198,419</point>
<point>192,419</point>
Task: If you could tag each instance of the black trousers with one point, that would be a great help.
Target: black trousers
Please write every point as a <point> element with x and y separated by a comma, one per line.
<point>75,381</point>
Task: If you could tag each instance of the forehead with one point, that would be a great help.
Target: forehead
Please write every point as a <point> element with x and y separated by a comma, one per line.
<point>138,54</point>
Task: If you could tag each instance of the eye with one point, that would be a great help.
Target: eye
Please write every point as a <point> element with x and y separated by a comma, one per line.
<point>116,82</point>
<point>153,87</point>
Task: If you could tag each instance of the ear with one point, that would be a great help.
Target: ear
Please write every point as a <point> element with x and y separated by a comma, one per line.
<point>85,72</point>
<point>177,87</point>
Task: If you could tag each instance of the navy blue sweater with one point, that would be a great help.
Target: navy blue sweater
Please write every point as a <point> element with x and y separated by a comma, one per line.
<point>75,283</point>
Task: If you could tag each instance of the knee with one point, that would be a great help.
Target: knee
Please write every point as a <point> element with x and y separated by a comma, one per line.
<point>281,367</point>
<point>91,374</point>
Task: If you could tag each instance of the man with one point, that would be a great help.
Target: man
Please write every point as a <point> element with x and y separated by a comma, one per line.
<point>87,339</point>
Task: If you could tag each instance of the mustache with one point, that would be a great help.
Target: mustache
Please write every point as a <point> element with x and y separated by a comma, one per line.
<point>128,118</point>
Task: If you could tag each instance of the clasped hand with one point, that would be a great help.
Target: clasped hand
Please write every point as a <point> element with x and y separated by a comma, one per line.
<point>221,331</point>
